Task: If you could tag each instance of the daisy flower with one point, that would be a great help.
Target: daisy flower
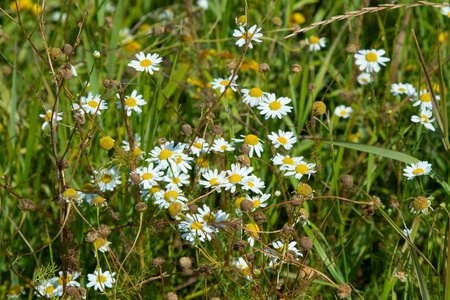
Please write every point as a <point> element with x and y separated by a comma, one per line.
<point>284,161</point>
<point>364,78</point>
<point>199,146</point>
<point>252,231</point>
<point>370,60</point>
<point>259,201</point>
<point>50,117</point>
<point>165,198</point>
<point>283,138</point>
<point>220,83</point>
<point>147,63</point>
<point>163,155</point>
<point>166,15</point>
<point>424,100</point>
<point>207,216</point>
<point>176,179</point>
<point>253,35</point>
<point>301,169</point>
<point>421,205</point>
<point>253,142</point>
<point>193,228</point>
<point>245,269</point>
<point>214,180</point>
<point>107,179</point>
<point>253,184</point>
<point>445,11</point>
<point>181,162</point>
<point>418,169</point>
<point>48,288</point>
<point>137,145</point>
<point>272,107</point>
<point>132,102</point>
<point>69,279</point>
<point>203,4</point>
<point>343,111</point>
<point>402,89</point>
<point>149,176</point>
<point>281,248</point>
<point>221,145</point>
<point>424,119</point>
<point>93,104</point>
<point>237,174</point>
<point>315,43</point>
<point>102,244</point>
<point>252,97</point>
<point>99,280</point>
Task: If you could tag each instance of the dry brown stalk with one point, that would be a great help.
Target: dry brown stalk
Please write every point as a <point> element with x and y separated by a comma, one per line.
<point>363,12</point>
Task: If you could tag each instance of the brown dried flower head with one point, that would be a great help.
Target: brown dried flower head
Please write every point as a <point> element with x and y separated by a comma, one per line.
<point>186,129</point>
<point>263,68</point>
<point>158,261</point>
<point>26,204</point>
<point>319,108</point>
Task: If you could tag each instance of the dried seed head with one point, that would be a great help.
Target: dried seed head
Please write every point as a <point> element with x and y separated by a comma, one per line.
<point>135,178</point>
<point>306,273</point>
<point>231,65</point>
<point>244,160</point>
<point>217,130</point>
<point>205,269</point>
<point>351,48</point>
<point>296,201</point>
<point>245,148</point>
<point>259,218</point>
<point>239,246</point>
<point>158,31</point>
<point>161,141</point>
<point>79,118</point>
<point>109,84</point>
<point>66,71</point>
<point>171,296</point>
<point>67,49</point>
<point>106,143</point>
<point>319,108</point>
<point>185,263</point>
<point>277,21</point>
<point>56,54</point>
<point>394,203</point>
<point>92,236</point>
<point>26,204</point>
<point>296,68</point>
<point>115,215</point>
<point>263,68</point>
<point>288,230</point>
<point>368,210</point>
<point>104,230</point>
<point>141,207</point>
<point>237,202</point>
<point>311,87</point>
<point>347,181</point>
<point>186,129</point>
<point>63,164</point>
<point>246,205</point>
<point>306,243</point>
<point>377,200</point>
<point>158,261</point>
<point>303,189</point>
<point>344,291</point>
<point>193,208</point>
<point>168,28</point>
<point>71,291</point>
<point>292,255</point>
<point>251,257</point>
<point>174,209</point>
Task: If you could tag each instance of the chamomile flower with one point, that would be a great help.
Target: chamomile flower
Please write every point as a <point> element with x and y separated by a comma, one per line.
<point>92,104</point>
<point>315,43</point>
<point>220,83</point>
<point>50,117</point>
<point>252,34</point>
<point>176,179</point>
<point>370,60</point>
<point>283,138</point>
<point>253,142</point>
<point>107,179</point>
<point>166,15</point>
<point>343,111</point>
<point>284,250</point>
<point>149,176</point>
<point>69,279</point>
<point>194,228</point>
<point>424,100</point>
<point>284,161</point>
<point>102,244</point>
<point>147,63</point>
<point>203,4</point>
<point>243,266</point>
<point>300,169</point>
<point>15,291</point>
<point>164,155</point>
<point>165,198</point>
<point>214,180</point>
<point>445,11</point>
<point>253,96</point>
<point>402,89</point>
<point>421,205</point>
<point>137,146</point>
<point>101,280</point>
<point>148,193</point>
<point>181,162</point>
<point>418,169</point>
<point>199,146</point>
<point>272,107</point>
<point>48,288</point>
<point>424,119</point>
<point>221,145</point>
<point>252,231</point>
<point>253,184</point>
<point>259,201</point>
<point>364,78</point>
<point>237,174</point>
<point>205,214</point>
<point>132,103</point>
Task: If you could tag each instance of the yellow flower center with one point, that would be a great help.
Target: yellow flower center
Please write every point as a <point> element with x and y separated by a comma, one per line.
<point>99,200</point>
<point>235,178</point>
<point>61,279</point>
<point>100,242</point>
<point>301,168</point>
<point>70,194</point>
<point>15,290</point>
<point>49,289</point>
<point>343,113</point>
<point>93,104</point>
<point>371,57</point>
<point>147,176</point>
<point>174,209</point>
<point>198,145</point>
<point>304,213</point>
<point>196,226</point>
<point>224,82</point>
<point>179,159</point>
<point>402,90</point>
<point>145,63</point>
<point>214,181</point>
<point>155,189</point>
<point>165,154</point>
<point>418,171</point>
<point>314,40</point>
<point>448,14</point>
<point>420,203</point>
<point>224,147</point>
<point>298,18</point>
<point>288,161</point>
<point>280,250</point>
<point>170,196</point>
<point>252,230</point>
<point>106,143</point>
<point>282,140</point>
<point>209,217</point>
<point>130,102</point>
<point>425,97</point>
<point>204,163</point>
<point>255,92</point>
<point>251,140</point>
<point>246,272</point>
<point>241,19</point>
<point>424,118</point>
<point>137,151</point>
<point>275,105</point>
<point>364,79</point>
<point>250,184</point>
<point>106,178</point>
<point>256,203</point>
<point>246,35</point>
<point>48,116</point>
<point>176,180</point>
<point>101,279</point>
